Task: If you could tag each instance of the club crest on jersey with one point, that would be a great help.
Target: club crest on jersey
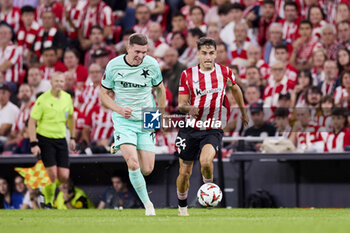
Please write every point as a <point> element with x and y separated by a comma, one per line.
<point>206,92</point>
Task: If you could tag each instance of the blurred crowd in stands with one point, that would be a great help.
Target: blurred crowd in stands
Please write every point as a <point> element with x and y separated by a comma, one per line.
<point>15,194</point>
<point>290,58</point>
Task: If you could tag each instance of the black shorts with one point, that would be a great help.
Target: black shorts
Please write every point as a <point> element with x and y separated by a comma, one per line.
<point>189,142</point>
<point>54,151</point>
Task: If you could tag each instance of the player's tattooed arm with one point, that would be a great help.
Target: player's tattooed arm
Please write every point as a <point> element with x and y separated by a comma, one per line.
<point>185,107</point>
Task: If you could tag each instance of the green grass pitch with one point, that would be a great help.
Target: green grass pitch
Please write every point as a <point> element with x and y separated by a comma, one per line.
<point>167,221</point>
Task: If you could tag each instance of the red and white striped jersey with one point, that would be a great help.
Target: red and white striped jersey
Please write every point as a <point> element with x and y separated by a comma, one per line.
<point>13,18</point>
<point>99,119</point>
<point>291,73</point>
<point>327,88</point>
<point>305,51</point>
<point>340,96</point>
<point>325,122</point>
<point>273,89</point>
<point>47,71</point>
<point>90,95</point>
<point>75,15</point>
<point>143,29</point>
<point>239,56</point>
<point>308,136</point>
<point>330,8</point>
<point>56,8</point>
<point>26,38</point>
<point>12,53</point>
<point>24,113</point>
<point>337,142</point>
<point>167,139</point>
<point>290,30</point>
<point>207,91</point>
<point>79,119</point>
<point>100,15</point>
<point>316,30</point>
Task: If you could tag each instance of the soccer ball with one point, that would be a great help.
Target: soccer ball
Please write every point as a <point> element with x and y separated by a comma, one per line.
<point>209,195</point>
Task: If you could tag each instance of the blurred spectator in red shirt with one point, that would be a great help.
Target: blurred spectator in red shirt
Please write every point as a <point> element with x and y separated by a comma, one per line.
<point>178,24</point>
<point>269,16</point>
<point>343,60</point>
<point>304,81</point>
<point>143,17</point>
<point>329,40</point>
<point>8,113</point>
<point>27,33</point>
<point>97,43</point>
<point>344,35</point>
<point>185,10</point>
<point>49,36</point>
<point>25,94</point>
<point>178,41</point>
<point>96,12</point>
<point>197,19</point>
<point>275,32</point>
<point>304,46</point>
<point>343,12</point>
<point>281,54</point>
<point>342,93</point>
<point>10,14</point>
<point>222,54</point>
<point>49,5</point>
<point>90,93</point>
<point>240,45</point>
<point>71,61</point>
<point>319,57</point>
<point>331,71</point>
<point>290,22</point>
<point>51,63</point>
<point>10,55</point>
<point>317,18</point>
<point>339,138</point>
<point>36,82</point>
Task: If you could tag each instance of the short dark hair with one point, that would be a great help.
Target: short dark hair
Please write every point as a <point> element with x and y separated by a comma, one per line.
<point>27,9</point>
<point>291,3</point>
<point>342,76</point>
<point>224,9</point>
<point>98,27</point>
<point>74,51</point>
<point>318,7</point>
<point>253,67</point>
<point>196,32</point>
<point>223,44</point>
<point>305,21</point>
<point>327,98</point>
<point>178,14</point>
<point>271,2</point>
<point>281,46</point>
<point>284,96</point>
<point>281,112</point>
<point>138,38</point>
<point>205,41</point>
<point>237,6</point>
<point>234,67</point>
<point>199,8</point>
<point>50,48</point>
<point>341,112</point>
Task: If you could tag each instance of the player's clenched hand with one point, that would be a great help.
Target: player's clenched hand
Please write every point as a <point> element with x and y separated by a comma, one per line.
<point>126,112</point>
<point>194,112</point>
<point>35,150</point>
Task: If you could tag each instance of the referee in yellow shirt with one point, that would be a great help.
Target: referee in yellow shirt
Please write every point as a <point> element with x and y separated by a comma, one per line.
<point>47,128</point>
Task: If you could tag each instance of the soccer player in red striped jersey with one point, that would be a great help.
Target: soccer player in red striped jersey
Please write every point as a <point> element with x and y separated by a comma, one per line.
<point>201,97</point>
